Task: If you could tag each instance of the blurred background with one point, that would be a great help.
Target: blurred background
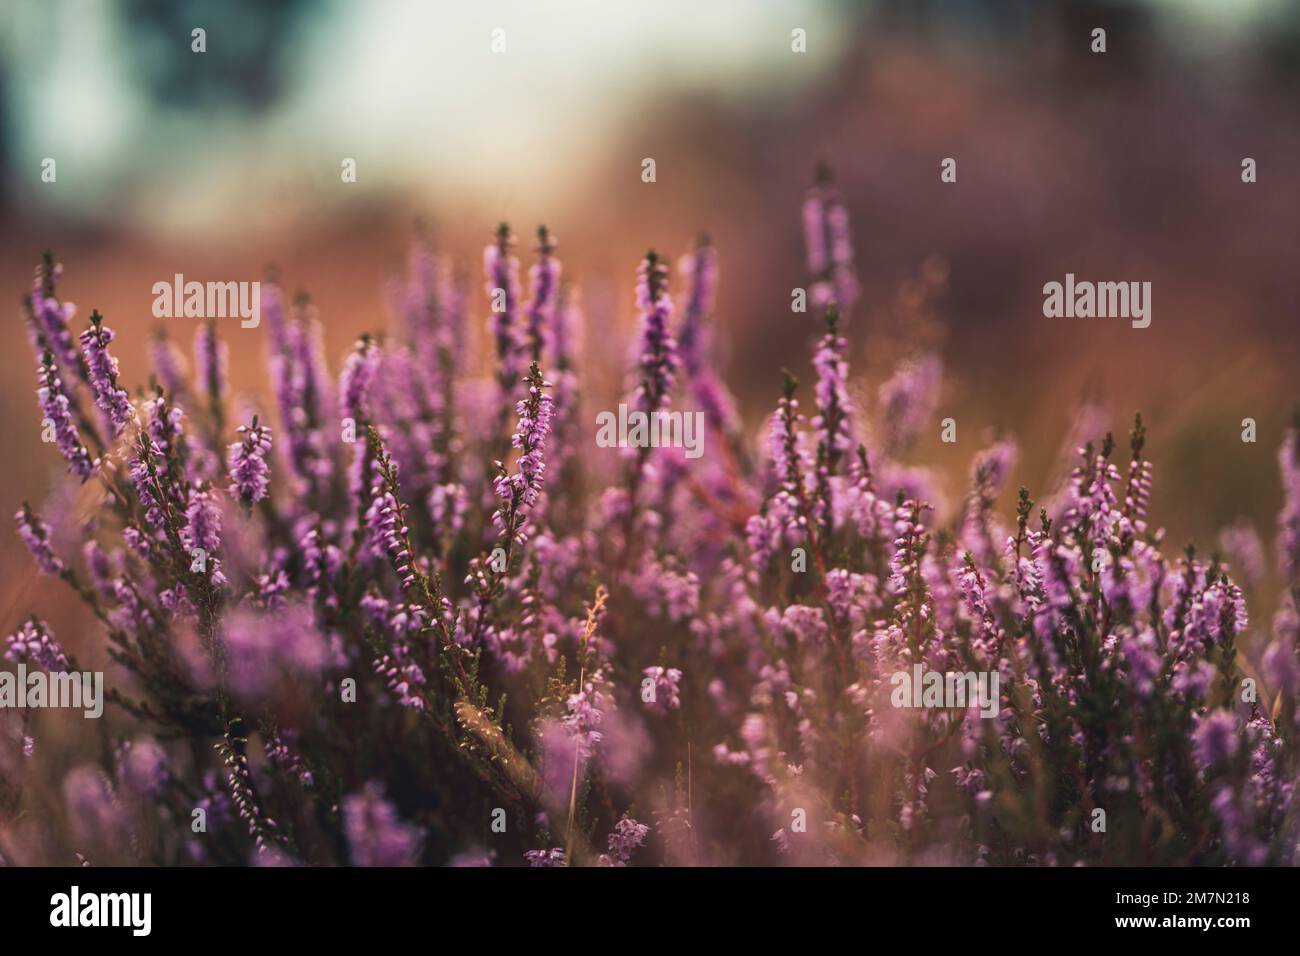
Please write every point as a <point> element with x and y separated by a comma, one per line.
<point>1122,166</point>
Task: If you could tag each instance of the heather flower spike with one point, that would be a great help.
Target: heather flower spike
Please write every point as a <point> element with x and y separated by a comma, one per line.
<point>829,245</point>
<point>53,318</point>
<point>249,468</point>
<point>501,270</point>
<point>36,536</point>
<point>544,280</point>
<point>102,368</point>
<point>832,397</point>
<point>56,406</point>
<point>211,360</point>
<point>658,357</point>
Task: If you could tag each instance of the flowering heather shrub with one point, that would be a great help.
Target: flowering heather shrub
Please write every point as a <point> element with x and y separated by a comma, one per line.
<point>413,617</point>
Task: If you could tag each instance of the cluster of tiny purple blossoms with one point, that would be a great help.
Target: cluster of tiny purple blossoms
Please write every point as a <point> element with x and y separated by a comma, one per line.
<point>420,618</point>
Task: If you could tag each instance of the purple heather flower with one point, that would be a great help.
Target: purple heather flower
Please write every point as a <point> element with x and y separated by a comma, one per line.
<point>1138,493</point>
<point>169,366</point>
<point>1215,738</point>
<point>93,809</point>
<point>354,384</point>
<point>16,746</point>
<point>833,407</point>
<point>142,767</point>
<point>101,369</point>
<point>203,531</point>
<point>664,586</point>
<point>249,471</point>
<point>300,385</point>
<point>376,836</point>
<point>665,681</point>
<point>909,398</point>
<point>544,858</point>
<point>215,802</point>
<point>421,300</point>
<point>286,759</point>
<point>501,272</point>
<point>130,615</point>
<point>850,596</point>
<point>716,401</point>
<point>581,731</point>
<point>385,527</point>
<point>981,534</point>
<point>560,751</point>
<point>520,491</point>
<point>626,837</point>
<point>99,565</point>
<point>203,523</point>
<point>784,456</point>
<point>275,312</point>
<point>260,645</point>
<point>829,246</point>
<point>566,329</point>
<point>544,283</point>
<point>1144,662</point>
<point>211,357</point>
<point>165,424</point>
<point>1282,665</point>
<point>658,352</point>
<point>272,588</point>
<point>34,643</point>
<point>402,674</point>
<point>992,466</point>
<point>448,506</point>
<point>311,383</point>
<point>36,535</point>
<point>782,841</point>
<point>916,484</point>
<point>55,405</point>
<point>909,536</point>
<point>700,266</point>
<point>1192,681</point>
<point>385,532</point>
<point>321,561</point>
<point>144,483</point>
<point>54,318</point>
<point>1212,608</point>
<point>1288,521</point>
<point>803,625</point>
<point>814,233</point>
<point>1245,553</point>
<point>1236,815</point>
